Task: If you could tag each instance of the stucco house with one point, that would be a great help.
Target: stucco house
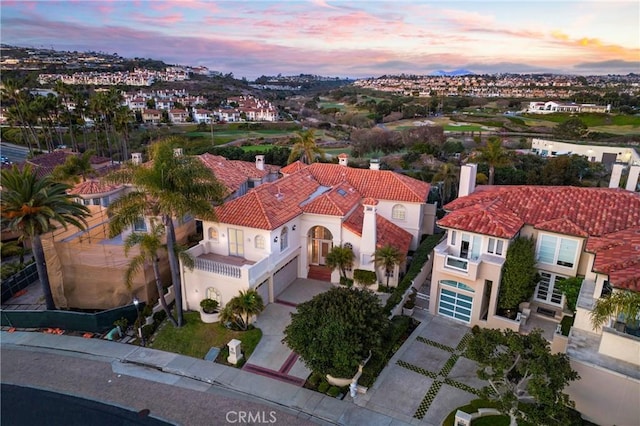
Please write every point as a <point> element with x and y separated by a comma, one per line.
<point>283,230</point>
<point>593,233</point>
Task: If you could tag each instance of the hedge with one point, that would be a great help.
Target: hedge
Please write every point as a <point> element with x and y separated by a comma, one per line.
<point>419,258</point>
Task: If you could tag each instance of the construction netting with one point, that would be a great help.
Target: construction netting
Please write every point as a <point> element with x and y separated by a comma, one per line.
<point>87,268</point>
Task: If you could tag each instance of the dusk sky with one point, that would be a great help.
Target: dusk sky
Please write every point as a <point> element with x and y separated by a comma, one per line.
<point>341,38</point>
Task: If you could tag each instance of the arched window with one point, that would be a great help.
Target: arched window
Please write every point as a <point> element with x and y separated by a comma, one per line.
<point>214,294</point>
<point>284,239</point>
<point>259,241</point>
<point>213,234</point>
<point>399,212</point>
<point>349,246</point>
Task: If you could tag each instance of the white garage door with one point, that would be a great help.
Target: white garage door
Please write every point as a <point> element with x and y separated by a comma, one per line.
<point>285,276</point>
<point>455,305</point>
<point>263,291</point>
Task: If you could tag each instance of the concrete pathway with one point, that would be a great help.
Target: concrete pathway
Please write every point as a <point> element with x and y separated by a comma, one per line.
<point>428,377</point>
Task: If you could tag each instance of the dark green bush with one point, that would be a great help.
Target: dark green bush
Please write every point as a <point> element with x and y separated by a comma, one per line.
<point>323,387</point>
<point>148,330</point>
<point>364,277</point>
<point>314,379</point>
<point>159,316</point>
<point>333,391</point>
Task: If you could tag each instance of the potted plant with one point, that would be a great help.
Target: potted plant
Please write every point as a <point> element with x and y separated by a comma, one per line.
<point>410,304</point>
<point>209,310</point>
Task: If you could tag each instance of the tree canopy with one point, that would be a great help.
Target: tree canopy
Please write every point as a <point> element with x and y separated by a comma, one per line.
<point>334,332</point>
<point>519,274</point>
<point>573,128</point>
<point>525,379</point>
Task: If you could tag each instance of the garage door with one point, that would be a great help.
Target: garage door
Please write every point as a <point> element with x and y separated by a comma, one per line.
<point>263,291</point>
<point>455,305</point>
<point>285,276</point>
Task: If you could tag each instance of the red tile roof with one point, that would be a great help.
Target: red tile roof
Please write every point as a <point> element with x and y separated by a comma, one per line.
<point>93,187</point>
<point>234,173</point>
<point>618,255</point>
<point>386,231</point>
<point>564,209</point>
<point>486,218</point>
<point>293,167</point>
<point>378,184</point>
<point>337,201</point>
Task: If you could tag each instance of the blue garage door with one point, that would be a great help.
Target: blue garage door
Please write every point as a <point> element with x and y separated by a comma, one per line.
<point>455,305</point>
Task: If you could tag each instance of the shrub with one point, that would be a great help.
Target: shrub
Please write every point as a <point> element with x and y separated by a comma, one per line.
<point>122,323</point>
<point>159,316</point>
<point>333,391</point>
<point>348,282</point>
<point>209,306</point>
<point>323,387</point>
<point>147,311</point>
<point>364,277</point>
<point>147,330</point>
<point>314,379</point>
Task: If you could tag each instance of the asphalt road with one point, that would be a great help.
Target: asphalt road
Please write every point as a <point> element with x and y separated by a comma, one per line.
<point>92,378</point>
<point>14,153</point>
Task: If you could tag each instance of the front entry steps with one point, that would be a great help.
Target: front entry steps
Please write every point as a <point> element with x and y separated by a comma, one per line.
<point>320,273</point>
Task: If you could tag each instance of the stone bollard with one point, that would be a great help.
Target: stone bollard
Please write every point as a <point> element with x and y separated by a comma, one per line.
<point>235,351</point>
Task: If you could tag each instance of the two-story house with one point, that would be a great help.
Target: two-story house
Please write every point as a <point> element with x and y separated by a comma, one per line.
<point>281,230</point>
<point>592,233</point>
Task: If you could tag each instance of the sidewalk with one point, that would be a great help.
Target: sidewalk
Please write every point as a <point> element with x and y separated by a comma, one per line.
<point>191,373</point>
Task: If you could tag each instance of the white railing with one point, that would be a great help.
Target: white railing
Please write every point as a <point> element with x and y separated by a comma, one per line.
<point>218,268</point>
<point>457,263</point>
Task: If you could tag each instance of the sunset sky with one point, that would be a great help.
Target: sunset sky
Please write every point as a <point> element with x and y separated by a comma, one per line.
<point>341,38</point>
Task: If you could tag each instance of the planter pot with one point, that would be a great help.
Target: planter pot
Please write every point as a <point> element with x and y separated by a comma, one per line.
<point>209,318</point>
<point>407,311</point>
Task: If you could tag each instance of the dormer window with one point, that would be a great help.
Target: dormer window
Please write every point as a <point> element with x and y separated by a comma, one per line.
<point>399,212</point>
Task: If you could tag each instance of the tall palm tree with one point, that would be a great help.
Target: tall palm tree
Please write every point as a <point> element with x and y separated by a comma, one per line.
<point>149,245</point>
<point>305,148</point>
<point>494,155</point>
<point>33,206</point>
<point>12,94</point>
<point>619,302</point>
<point>241,308</point>
<point>448,175</point>
<point>169,187</point>
<point>388,257</point>
<point>340,258</point>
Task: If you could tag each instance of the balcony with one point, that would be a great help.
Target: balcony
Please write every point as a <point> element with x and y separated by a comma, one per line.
<point>457,263</point>
<point>446,261</point>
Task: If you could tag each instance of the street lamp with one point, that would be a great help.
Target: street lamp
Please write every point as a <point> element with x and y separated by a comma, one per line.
<point>137,303</point>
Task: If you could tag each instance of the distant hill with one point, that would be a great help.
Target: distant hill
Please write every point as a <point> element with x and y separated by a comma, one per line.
<point>454,73</point>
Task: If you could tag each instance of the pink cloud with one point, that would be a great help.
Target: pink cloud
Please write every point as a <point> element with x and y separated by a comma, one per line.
<point>165,20</point>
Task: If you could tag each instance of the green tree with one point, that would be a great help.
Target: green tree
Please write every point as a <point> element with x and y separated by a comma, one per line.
<point>525,379</point>
<point>149,244</point>
<point>494,155</point>
<point>448,174</point>
<point>340,258</point>
<point>620,302</point>
<point>305,148</point>
<point>33,206</point>
<point>334,332</point>
<point>241,308</point>
<point>75,168</point>
<point>171,187</point>
<point>519,274</point>
<point>573,128</point>
<point>388,257</point>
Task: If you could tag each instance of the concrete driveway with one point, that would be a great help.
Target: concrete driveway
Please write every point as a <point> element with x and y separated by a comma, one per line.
<point>271,357</point>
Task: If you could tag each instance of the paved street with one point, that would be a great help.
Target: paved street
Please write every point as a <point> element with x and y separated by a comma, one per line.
<point>14,153</point>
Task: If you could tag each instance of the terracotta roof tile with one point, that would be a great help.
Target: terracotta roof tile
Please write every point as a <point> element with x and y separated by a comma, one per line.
<point>233,173</point>
<point>386,232</point>
<point>337,201</point>
<point>93,186</point>
<point>618,255</point>
<point>562,226</point>
<point>488,218</point>
<point>293,167</point>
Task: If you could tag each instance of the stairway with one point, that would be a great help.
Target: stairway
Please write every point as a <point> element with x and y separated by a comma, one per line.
<point>320,273</point>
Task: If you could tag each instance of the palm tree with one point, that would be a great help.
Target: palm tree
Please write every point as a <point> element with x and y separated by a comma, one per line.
<point>241,308</point>
<point>33,206</point>
<point>388,257</point>
<point>149,244</point>
<point>494,155</point>
<point>170,187</point>
<point>75,167</point>
<point>305,148</point>
<point>448,175</point>
<point>622,302</point>
<point>340,258</point>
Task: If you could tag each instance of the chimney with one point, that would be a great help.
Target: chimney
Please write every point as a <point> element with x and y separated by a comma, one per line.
<point>374,164</point>
<point>369,237</point>
<point>616,174</point>
<point>260,162</point>
<point>468,174</point>
<point>136,158</point>
<point>343,159</point>
<point>177,152</point>
<point>632,178</point>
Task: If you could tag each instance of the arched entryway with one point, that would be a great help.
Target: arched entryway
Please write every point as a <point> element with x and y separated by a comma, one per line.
<point>320,244</point>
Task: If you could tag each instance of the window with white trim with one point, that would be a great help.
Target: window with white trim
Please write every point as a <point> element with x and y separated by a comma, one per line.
<point>259,241</point>
<point>140,225</point>
<point>546,290</point>
<point>284,239</point>
<point>557,251</point>
<point>399,212</point>
<point>495,246</point>
<point>213,234</point>
<point>453,238</point>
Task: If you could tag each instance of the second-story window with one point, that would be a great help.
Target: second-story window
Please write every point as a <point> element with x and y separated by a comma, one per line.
<point>453,238</point>
<point>495,246</point>
<point>284,239</point>
<point>399,212</point>
<point>557,251</point>
<point>259,241</point>
<point>140,225</point>
<point>213,234</point>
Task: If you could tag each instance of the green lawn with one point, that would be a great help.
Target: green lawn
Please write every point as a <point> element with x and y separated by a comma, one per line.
<point>195,338</point>
<point>591,119</point>
<point>257,148</point>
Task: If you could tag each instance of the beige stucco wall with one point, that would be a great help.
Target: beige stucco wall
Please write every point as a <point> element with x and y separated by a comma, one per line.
<point>622,346</point>
<point>604,397</point>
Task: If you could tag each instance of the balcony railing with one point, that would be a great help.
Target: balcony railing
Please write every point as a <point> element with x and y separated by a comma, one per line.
<point>218,268</point>
<point>457,263</point>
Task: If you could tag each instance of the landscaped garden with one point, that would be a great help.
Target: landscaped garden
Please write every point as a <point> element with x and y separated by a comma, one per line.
<point>196,338</point>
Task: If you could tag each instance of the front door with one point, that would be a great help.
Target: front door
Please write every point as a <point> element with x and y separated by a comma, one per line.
<point>319,251</point>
